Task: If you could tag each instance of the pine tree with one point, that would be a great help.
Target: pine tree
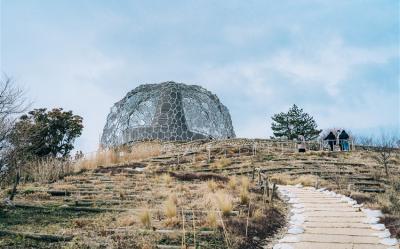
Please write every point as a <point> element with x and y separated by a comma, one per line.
<point>294,123</point>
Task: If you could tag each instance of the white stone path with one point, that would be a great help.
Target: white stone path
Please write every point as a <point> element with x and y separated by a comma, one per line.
<point>321,219</point>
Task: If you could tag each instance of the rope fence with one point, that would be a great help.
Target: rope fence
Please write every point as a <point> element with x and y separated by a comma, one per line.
<point>236,147</point>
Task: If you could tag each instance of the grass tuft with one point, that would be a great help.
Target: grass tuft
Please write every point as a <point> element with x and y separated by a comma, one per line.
<point>166,178</point>
<point>170,209</point>
<point>232,184</point>
<point>145,218</point>
<point>245,182</point>
<point>244,196</point>
<point>212,185</point>
<point>222,163</point>
<point>212,220</point>
<point>224,202</point>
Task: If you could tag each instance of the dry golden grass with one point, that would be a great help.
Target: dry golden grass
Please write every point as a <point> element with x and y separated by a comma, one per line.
<point>145,218</point>
<point>38,196</point>
<point>221,163</point>
<point>211,219</point>
<point>245,182</point>
<point>232,184</point>
<point>257,213</point>
<point>104,157</point>
<point>63,186</point>
<point>244,196</point>
<point>170,209</point>
<point>224,202</point>
<point>283,179</point>
<point>166,178</point>
<point>171,222</point>
<point>119,178</point>
<point>126,220</point>
<point>182,188</point>
<point>47,170</point>
<point>305,180</point>
<point>212,185</point>
<point>173,198</point>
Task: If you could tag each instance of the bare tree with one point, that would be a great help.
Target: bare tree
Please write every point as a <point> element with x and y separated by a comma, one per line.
<point>12,103</point>
<point>386,146</point>
<point>364,142</point>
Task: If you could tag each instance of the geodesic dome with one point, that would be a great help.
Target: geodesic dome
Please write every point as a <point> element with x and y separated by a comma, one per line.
<point>167,111</point>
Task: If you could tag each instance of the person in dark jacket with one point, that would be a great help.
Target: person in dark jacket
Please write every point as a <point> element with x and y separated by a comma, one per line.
<point>331,138</point>
<point>344,141</point>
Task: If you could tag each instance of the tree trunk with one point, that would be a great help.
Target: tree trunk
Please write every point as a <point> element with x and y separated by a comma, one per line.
<point>386,169</point>
<point>16,182</point>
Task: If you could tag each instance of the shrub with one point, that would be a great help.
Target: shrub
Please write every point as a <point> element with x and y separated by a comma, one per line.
<point>394,198</point>
<point>362,197</point>
<point>46,170</point>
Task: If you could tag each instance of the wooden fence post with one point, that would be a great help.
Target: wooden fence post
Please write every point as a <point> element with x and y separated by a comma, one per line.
<point>273,193</point>
<point>209,153</point>
<point>264,191</point>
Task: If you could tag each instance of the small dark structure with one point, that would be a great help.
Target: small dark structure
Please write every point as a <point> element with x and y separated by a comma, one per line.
<point>331,139</point>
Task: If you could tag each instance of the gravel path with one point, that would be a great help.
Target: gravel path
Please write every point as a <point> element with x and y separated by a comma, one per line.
<point>321,219</point>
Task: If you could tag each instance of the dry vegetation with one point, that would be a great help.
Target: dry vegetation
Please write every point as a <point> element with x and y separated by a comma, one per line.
<point>304,180</point>
<point>106,203</point>
<point>106,157</point>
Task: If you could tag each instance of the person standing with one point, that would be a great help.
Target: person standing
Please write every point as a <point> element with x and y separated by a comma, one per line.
<point>302,144</point>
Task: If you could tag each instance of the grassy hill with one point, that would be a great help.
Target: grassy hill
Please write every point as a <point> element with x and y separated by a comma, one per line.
<point>211,194</point>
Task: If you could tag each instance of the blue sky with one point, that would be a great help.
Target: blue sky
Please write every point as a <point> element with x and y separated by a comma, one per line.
<point>339,60</point>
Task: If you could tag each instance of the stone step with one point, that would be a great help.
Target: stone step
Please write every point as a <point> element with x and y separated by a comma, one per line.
<point>372,190</point>
<point>338,245</point>
<point>322,237</point>
<point>366,231</point>
<point>318,224</point>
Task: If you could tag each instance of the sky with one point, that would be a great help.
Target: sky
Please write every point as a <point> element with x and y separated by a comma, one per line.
<point>338,60</point>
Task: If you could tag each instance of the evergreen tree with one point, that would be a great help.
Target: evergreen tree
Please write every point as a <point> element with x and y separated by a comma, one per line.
<point>43,133</point>
<point>294,123</point>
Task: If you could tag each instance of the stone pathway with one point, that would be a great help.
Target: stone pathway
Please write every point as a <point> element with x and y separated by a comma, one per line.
<point>321,219</point>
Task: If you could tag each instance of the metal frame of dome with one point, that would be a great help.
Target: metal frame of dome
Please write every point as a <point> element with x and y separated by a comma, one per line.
<point>167,111</point>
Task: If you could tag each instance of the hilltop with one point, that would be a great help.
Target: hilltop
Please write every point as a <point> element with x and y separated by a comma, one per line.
<point>208,193</point>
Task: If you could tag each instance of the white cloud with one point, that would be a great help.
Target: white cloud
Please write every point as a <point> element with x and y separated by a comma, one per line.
<point>272,84</point>
<point>328,66</point>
